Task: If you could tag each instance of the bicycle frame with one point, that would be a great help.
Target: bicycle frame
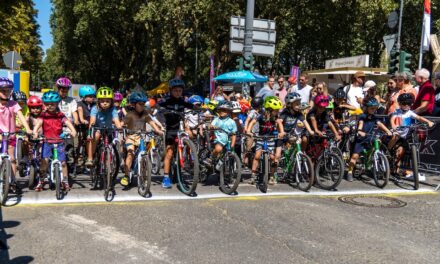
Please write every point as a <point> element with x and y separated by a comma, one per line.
<point>54,161</point>
<point>4,154</point>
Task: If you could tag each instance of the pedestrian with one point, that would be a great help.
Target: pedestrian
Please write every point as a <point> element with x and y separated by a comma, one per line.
<point>303,89</point>
<point>403,85</point>
<point>424,103</point>
<point>291,82</point>
<point>281,91</point>
<point>319,88</point>
<point>219,95</point>
<point>267,90</point>
<point>354,91</point>
<point>436,111</point>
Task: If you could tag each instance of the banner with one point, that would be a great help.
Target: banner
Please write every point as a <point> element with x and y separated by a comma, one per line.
<point>430,150</point>
<point>211,75</point>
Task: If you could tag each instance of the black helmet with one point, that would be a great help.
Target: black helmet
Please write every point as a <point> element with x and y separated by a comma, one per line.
<point>224,105</point>
<point>340,94</point>
<point>257,102</point>
<point>406,98</point>
<point>371,101</point>
<point>19,97</point>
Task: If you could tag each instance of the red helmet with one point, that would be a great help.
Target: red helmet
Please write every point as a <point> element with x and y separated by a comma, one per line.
<point>34,101</point>
<point>321,100</point>
<point>244,105</point>
<point>150,103</point>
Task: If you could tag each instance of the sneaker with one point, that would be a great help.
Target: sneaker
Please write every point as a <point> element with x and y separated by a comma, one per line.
<point>252,179</point>
<point>125,181</point>
<point>410,177</point>
<point>350,176</point>
<point>272,181</point>
<point>65,186</point>
<point>166,183</point>
<point>39,186</point>
<point>89,163</point>
<point>15,189</point>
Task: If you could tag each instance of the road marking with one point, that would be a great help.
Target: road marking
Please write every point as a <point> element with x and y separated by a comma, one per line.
<point>111,235</point>
<point>134,198</point>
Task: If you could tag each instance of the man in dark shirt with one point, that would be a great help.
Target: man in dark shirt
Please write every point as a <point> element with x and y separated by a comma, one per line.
<point>424,103</point>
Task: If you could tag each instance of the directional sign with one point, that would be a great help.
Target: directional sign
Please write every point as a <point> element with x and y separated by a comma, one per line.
<point>389,42</point>
<point>12,60</point>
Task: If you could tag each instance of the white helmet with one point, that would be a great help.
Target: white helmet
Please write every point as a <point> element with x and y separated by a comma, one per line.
<point>236,108</point>
<point>292,97</point>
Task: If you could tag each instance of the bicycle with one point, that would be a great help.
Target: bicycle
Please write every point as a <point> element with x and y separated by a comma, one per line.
<point>154,153</point>
<point>296,166</point>
<point>185,163</point>
<point>5,168</point>
<point>31,166</point>
<point>106,161</point>
<point>374,160</point>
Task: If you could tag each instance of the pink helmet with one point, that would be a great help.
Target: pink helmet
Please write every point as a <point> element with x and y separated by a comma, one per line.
<point>118,97</point>
<point>321,100</point>
<point>64,82</point>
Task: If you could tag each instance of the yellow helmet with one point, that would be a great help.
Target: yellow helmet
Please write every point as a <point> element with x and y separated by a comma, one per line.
<point>272,102</point>
<point>104,93</point>
<point>212,105</point>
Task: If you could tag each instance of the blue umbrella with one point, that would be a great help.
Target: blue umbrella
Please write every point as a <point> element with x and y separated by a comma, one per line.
<point>240,77</point>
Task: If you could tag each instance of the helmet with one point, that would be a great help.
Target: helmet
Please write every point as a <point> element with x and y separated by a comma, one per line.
<point>304,105</point>
<point>321,100</point>
<point>51,97</point>
<point>292,97</point>
<point>244,105</point>
<point>206,101</point>
<point>34,101</point>
<point>19,97</point>
<point>150,103</point>
<point>236,108</point>
<point>371,101</point>
<point>118,97</point>
<point>6,83</point>
<point>64,82</point>
<point>225,105</point>
<point>195,99</point>
<point>176,83</point>
<point>212,105</point>
<point>86,91</point>
<point>137,97</point>
<point>272,102</point>
<point>340,94</point>
<point>330,105</point>
<point>405,98</point>
<point>257,102</point>
<point>104,93</point>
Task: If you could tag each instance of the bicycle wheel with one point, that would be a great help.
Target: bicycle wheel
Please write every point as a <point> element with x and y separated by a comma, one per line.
<point>57,177</point>
<point>304,174</point>
<point>19,150</point>
<point>144,178</point>
<point>187,167</point>
<point>108,177</point>
<point>415,166</point>
<point>155,162</point>
<point>329,171</point>
<point>32,174</point>
<point>265,171</point>
<point>5,174</point>
<point>381,170</point>
<point>230,173</point>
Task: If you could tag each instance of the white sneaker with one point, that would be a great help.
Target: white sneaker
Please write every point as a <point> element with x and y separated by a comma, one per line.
<point>410,177</point>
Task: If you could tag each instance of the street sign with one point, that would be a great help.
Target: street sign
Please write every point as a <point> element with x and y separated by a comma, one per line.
<point>389,41</point>
<point>12,60</point>
<point>356,61</point>
<point>393,19</point>
<point>258,49</point>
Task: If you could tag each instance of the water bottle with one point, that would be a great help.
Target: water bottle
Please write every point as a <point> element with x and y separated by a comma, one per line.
<point>219,165</point>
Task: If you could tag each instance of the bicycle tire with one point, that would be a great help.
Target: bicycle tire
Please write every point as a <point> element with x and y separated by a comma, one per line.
<point>5,170</point>
<point>305,180</point>
<point>265,171</point>
<point>381,180</point>
<point>189,186</point>
<point>32,174</point>
<point>155,162</point>
<point>108,178</point>
<point>57,176</point>
<point>415,166</point>
<point>232,167</point>
<point>144,177</point>
<point>19,150</point>
<point>323,169</point>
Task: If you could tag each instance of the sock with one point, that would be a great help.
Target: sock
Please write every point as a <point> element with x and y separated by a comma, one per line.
<point>165,176</point>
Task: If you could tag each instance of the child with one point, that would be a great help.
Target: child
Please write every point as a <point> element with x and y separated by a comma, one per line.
<point>269,123</point>
<point>87,94</point>
<point>9,110</point>
<point>21,99</point>
<point>319,117</point>
<point>103,114</point>
<point>401,119</point>
<point>35,105</point>
<point>254,113</point>
<point>366,124</point>
<point>236,112</point>
<point>51,121</point>
<point>192,118</point>
<point>117,101</point>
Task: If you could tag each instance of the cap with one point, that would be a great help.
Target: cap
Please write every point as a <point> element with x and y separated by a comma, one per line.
<point>368,85</point>
<point>359,74</point>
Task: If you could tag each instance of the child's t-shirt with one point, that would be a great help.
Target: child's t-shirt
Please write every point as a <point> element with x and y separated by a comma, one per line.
<point>104,118</point>
<point>53,125</point>
<point>8,114</point>
<point>404,118</point>
<point>226,124</point>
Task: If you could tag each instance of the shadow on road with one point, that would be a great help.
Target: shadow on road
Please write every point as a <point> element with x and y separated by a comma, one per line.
<point>4,248</point>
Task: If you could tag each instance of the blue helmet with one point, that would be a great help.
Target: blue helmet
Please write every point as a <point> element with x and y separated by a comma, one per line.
<point>176,83</point>
<point>136,97</point>
<point>51,97</point>
<point>195,99</point>
<point>86,91</point>
<point>371,101</point>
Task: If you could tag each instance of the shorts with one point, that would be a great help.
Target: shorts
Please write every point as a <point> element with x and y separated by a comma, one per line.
<point>271,145</point>
<point>47,151</point>
<point>132,140</point>
<point>362,143</point>
<point>170,138</point>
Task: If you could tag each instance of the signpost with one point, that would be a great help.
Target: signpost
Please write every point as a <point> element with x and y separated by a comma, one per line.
<point>12,60</point>
<point>389,41</point>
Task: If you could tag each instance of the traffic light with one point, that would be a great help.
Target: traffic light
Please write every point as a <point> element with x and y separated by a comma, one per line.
<point>239,64</point>
<point>394,61</point>
<point>249,63</point>
<point>404,62</point>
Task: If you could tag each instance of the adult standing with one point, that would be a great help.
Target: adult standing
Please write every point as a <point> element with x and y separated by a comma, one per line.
<point>303,89</point>
<point>354,91</point>
<point>424,103</point>
<point>267,90</point>
<point>436,111</point>
<point>281,91</point>
<point>403,85</point>
<point>219,95</point>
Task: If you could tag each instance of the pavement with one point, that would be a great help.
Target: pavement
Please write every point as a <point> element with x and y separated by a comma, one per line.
<point>358,223</point>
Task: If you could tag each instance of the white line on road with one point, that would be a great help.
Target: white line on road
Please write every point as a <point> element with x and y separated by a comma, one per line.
<point>125,197</point>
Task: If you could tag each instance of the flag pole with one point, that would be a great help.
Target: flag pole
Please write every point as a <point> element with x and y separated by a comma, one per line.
<point>421,47</point>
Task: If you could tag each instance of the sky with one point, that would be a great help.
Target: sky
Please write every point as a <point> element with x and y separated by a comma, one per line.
<point>44,11</point>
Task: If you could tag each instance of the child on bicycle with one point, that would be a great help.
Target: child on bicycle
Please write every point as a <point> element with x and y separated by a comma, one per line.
<point>35,105</point>
<point>9,111</point>
<point>236,112</point>
<point>254,113</point>
<point>366,124</point>
<point>117,101</point>
<point>192,118</point>
<point>51,122</point>
<point>401,119</point>
<point>136,121</point>
<point>87,95</point>
<point>268,124</point>
<point>103,114</point>
<point>319,117</point>
<point>21,99</point>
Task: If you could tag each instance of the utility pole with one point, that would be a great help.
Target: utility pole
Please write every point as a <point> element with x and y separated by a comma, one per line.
<point>400,26</point>
<point>249,24</point>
